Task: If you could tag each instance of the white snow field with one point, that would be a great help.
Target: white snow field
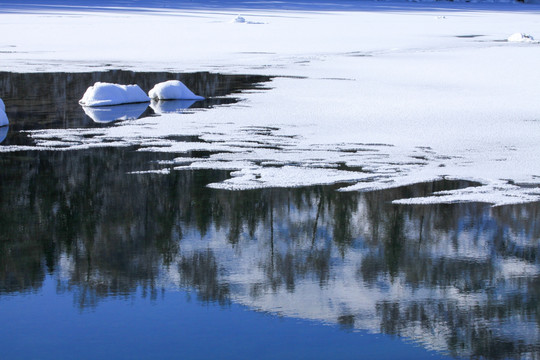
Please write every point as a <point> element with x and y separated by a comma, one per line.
<point>172,90</point>
<point>375,98</point>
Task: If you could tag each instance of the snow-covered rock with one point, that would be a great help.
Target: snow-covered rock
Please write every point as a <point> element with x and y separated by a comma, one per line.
<point>171,106</point>
<point>520,37</point>
<point>239,19</point>
<point>172,90</point>
<point>103,94</point>
<point>3,117</point>
<point>104,114</point>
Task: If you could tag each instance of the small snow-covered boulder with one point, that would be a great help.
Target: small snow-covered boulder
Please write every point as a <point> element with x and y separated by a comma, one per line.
<point>172,90</point>
<point>103,94</point>
<point>239,19</point>
<point>3,117</point>
<point>520,37</point>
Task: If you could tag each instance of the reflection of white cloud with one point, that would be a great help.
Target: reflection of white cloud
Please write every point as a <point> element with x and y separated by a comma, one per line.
<point>170,106</point>
<point>3,133</point>
<point>118,112</point>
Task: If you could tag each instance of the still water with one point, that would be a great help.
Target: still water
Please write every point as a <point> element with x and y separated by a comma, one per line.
<point>99,262</point>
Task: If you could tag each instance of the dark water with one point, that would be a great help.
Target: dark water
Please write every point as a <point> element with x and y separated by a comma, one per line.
<point>50,100</point>
<point>99,263</point>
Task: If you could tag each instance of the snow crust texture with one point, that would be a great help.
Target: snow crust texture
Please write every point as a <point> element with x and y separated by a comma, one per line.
<point>103,94</point>
<point>172,90</point>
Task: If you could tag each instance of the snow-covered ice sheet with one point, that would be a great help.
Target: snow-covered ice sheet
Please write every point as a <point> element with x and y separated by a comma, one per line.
<point>374,99</point>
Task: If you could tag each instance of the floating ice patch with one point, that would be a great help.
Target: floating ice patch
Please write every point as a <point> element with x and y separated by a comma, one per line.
<point>172,90</point>
<point>103,94</point>
<point>521,37</point>
<point>104,114</point>
<point>171,106</point>
<point>496,193</point>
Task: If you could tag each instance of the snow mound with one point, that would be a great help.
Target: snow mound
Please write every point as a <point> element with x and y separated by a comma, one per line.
<point>103,94</point>
<point>520,37</point>
<point>3,117</point>
<point>172,90</point>
<point>104,114</point>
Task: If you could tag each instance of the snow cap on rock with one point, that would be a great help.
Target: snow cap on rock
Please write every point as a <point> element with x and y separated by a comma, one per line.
<point>172,90</point>
<point>520,37</point>
<point>103,94</point>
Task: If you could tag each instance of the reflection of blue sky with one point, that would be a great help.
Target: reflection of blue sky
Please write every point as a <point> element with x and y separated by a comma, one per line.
<point>3,133</point>
<point>103,114</point>
<point>171,106</point>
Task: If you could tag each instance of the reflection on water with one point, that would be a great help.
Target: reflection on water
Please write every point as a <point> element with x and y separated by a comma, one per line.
<point>171,106</point>
<point>105,114</point>
<point>51,100</point>
<point>461,278</point>
<point>3,133</point>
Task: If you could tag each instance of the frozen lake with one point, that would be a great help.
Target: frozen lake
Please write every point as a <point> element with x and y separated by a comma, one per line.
<point>361,181</point>
<point>101,259</point>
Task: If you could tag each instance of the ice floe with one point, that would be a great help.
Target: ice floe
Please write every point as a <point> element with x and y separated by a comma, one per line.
<point>521,37</point>
<point>104,114</point>
<point>103,94</point>
<point>172,90</point>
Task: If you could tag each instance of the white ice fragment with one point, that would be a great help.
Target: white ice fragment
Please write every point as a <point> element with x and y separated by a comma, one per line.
<point>103,94</point>
<point>3,117</point>
<point>103,114</point>
<point>172,90</point>
<point>520,37</point>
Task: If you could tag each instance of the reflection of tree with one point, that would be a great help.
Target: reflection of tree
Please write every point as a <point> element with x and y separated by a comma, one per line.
<point>103,232</point>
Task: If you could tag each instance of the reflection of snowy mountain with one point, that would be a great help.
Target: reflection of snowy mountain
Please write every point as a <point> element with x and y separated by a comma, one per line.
<point>455,278</point>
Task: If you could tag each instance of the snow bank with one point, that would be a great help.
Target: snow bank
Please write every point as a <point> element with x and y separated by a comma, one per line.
<point>104,114</point>
<point>171,106</point>
<point>172,90</point>
<point>520,37</point>
<point>102,94</point>
<point>3,117</point>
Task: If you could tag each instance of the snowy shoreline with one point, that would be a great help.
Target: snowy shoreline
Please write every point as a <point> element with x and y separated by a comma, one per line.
<point>438,87</point>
